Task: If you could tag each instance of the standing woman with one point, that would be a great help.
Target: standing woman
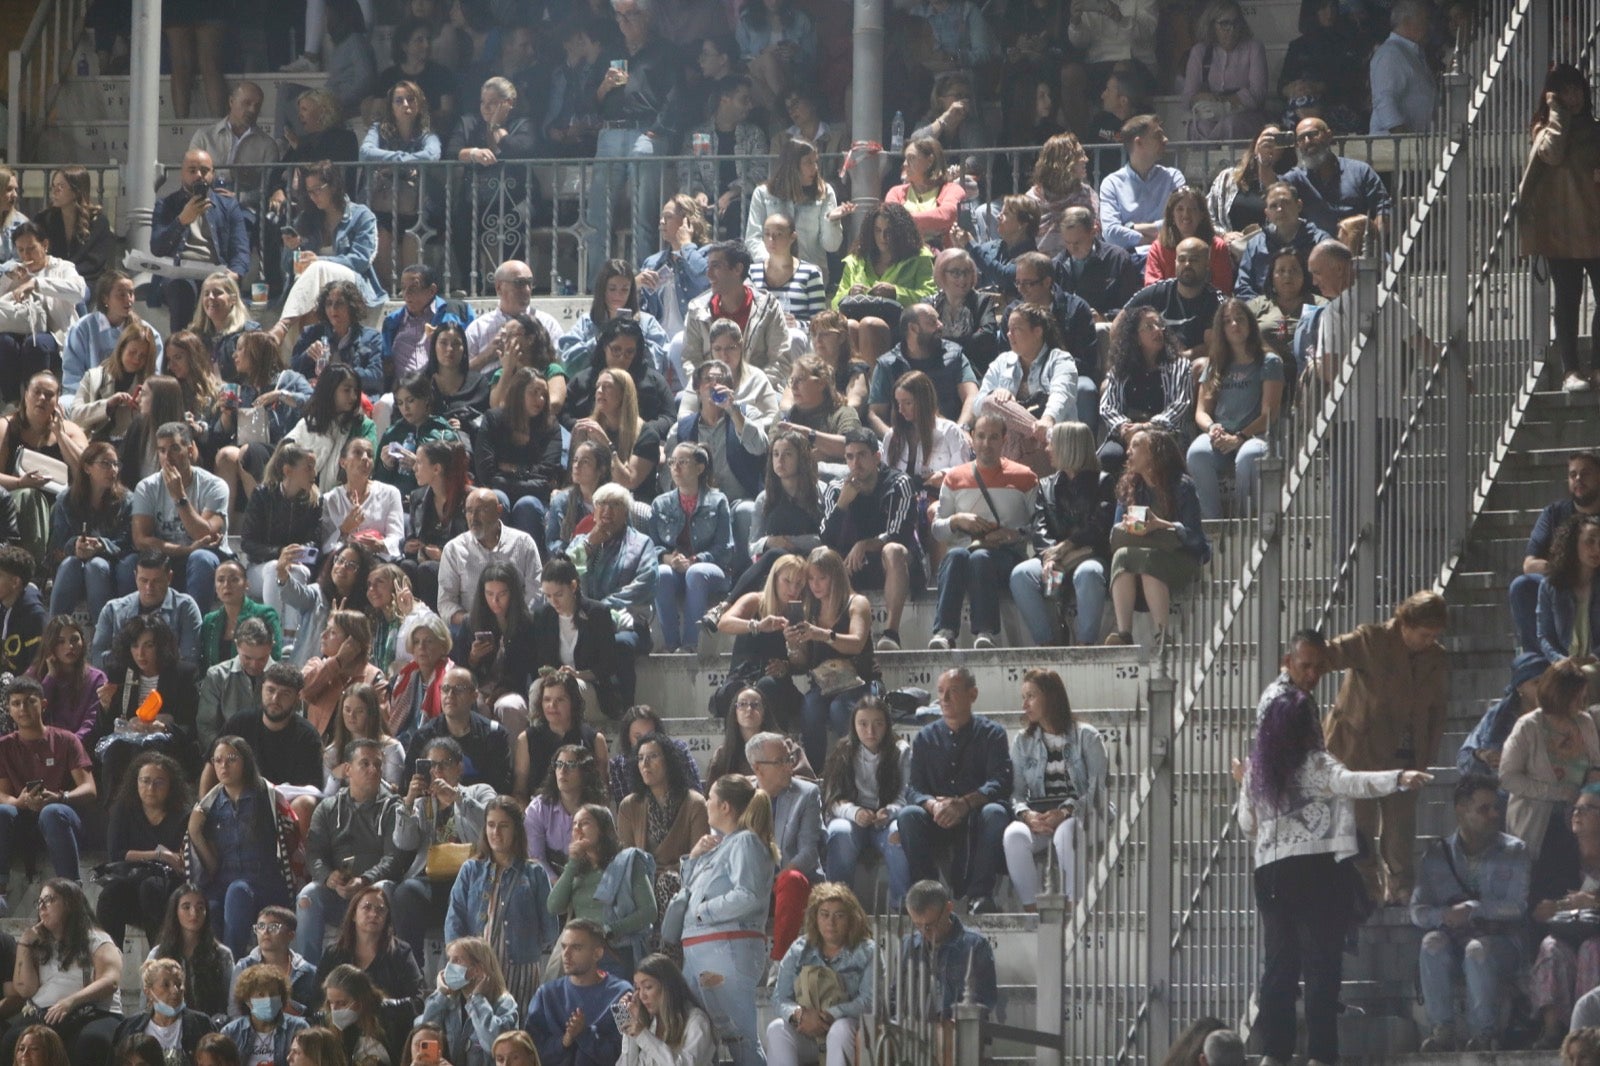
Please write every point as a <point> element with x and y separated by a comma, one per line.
<point>77,227</point>
<point>186,938</point>
<point>332,420</point>
<point>1569,610</point>
<point>1294,798</point>
<point>796,189</point>
<point>38,304</point>
<point>694,524</point>
<point>1164,552</point>
<point>665,1026</point>
<point>720,916</point>
<point>1058,787</point>
<point>838,940</point>
<point>501,896</point>
<point>616,292</point>
<point>437,512</point>
<point>1559,205</point>
<point>66,961</point>
<point>607,883</point>
<point>796,283</point>
<point>932,200</point>
<point>1241,393</point>
<point>833,642</point>
<point>261,385</point>
<point>147,821</point>
<point>404,135</point>
<point>888,249</point>
<point>518,453</point>
<point>221,319</point>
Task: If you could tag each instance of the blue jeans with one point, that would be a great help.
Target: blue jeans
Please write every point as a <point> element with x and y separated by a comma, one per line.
<point>978,574</point>
<point>527,514</point>
<point>90,582</point>
<point>633,644</point>
<point>1088,401</point>
<point>1088,585</point>
<point>1524,595</point>
<point>977,841</point>
<point>740,964</point>
<point>683,599</point>
<point>846,842</point>
<point>822,716</point>
<point>235,905</point>
<point>1489,964</point>
<point>315,907</point>
<point>1207,465</point>
<point>60,826</point>
<point>644,179</point>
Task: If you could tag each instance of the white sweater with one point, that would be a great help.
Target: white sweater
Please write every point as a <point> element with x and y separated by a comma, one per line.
<point>1319,817</point>
<point>59,289</point>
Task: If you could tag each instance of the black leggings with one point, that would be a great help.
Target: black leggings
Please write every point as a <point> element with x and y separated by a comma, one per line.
<point>141,900</point>
<point>1566,279</point>
<point>1303,928</point>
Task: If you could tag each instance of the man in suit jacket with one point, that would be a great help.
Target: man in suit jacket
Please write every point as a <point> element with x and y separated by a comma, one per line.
<point>197,224</point>
<point>594,653</point>
<point>796,829</point>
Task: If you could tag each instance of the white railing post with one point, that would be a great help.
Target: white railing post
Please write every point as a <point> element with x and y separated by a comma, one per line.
<point>1159,813</point>
<point>144,122</point>
<point>1047,1016</point>
<point>1460,478</point>
<point>1270,600</point>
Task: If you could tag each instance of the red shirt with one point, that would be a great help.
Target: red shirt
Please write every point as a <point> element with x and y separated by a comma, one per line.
<point>742,317</point>
<point>50,759</point>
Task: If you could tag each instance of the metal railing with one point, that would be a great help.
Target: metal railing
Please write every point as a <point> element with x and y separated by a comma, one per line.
<point>38,67</point>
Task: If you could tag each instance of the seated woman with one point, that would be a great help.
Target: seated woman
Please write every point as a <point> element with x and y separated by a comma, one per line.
<point>1225,76</point>
<point>65,958</point>
<point>592,657</point>
<point>797,284</point>
<point>751,715</point>
<point>1569,610</point>
<point>37,427</point>
<point>261,996</point>
<point>1058,788</point>
<point>832,642</point>
<point>616,293</point>
<point>1278,310</point>
<point>147,820</point>
<point>1148,385</point>
<point>160,401</point>
<point>500,895</point>
<point>334,241</point>
<point>169,1021</point>
<point>416,403</point>
<point>77,226</point>
<point>340,584</point>
<point>518,453</point>
<point>144,663</point>
<point>1071,534</point>
<point>234,605</point>
<point>188,362</point>
<point>1186,217</point>
<point>360,508</point>
<point>1161,553</point>
<point>107,395</point>
<point>1033,385</point>
<point>354,1009</point>
<point>71,686</point>
<point>395,612</point>
<point>996,260</point>
<point>437,511</point>
<point>332,420</point>
<point>496,642</point>
<point>589,466</point>
<point>888,250</point>
<point>344,661</point>
<point>523,341</point>
<point>338,334</point>
<point>367,943</point>
<point>573,779</point>
<point>403,135</point>
<point>556,722</point>
<point>787,516</point>
<point>285,511</point>
<point>665,810</point>
<point>221,320</point>
<point>1241,395</point>
<point>463,391</point>
<point>922,443</point>
<point>91,534</point>
<point>694,526</point>
<point>622,343</point>
<point>837,939</point>
<point>638,722</point>
<point>361,717</point>
<point>95,334</point>
<point>255,413</point>
<point>821,414</point>
<point>968,317</point>
<point>932,200</point>
<point>414,696</point>
<point>863,788</point>
<point>615,421</point>
<point>187,939</point>
<point>607,883</point>
<point>665,1023</point>
<point>470,1002</point>
<point>31,341</point>
<point>757,621</point>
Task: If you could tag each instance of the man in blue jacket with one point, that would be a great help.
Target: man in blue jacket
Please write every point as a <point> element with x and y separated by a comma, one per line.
<point>197,224</point>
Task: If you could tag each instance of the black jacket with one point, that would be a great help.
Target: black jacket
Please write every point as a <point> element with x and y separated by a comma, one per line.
<point>596,650</point>
<point>91,255</point>
<point>487,748</point>
<point>537,461</point>
<point>658,407</point>
<point>1078,509</point>
<point>272,521</point>
<point>1110,277</point>
<point>194,1026</point>
<point>23,624</point>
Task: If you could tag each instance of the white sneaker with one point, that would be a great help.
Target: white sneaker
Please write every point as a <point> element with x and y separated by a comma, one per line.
<point>982,641</point>
<point>1576,383</point>
<point>940,641</point>
<point>304,64</point>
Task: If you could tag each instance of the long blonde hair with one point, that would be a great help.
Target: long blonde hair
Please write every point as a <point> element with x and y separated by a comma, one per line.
<point>830,563</point>
<point>771,603</point>
<point>755,809</point>
<point>201,322</point>
<point>628,422</point>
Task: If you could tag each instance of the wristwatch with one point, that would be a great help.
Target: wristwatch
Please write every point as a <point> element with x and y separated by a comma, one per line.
<point>813,435</point>
<point>182,500</point>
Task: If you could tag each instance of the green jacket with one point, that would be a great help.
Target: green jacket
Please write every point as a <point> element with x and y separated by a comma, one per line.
<point>211,651</point>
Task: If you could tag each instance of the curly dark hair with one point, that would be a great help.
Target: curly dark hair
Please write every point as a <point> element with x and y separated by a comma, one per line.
<point>594,786</point>
<point>349,294</point>
<point>1166,457</point>
<point>1123,354</point>
<point>129,635</point>
<point>178,799</point>
<point>671,762</point>
<point>1288,733</point>
<point>904,240</point>
<point>356,599</point>
<point>1565,570</point>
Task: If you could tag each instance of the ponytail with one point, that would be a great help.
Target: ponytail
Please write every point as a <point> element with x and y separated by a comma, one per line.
<point>753,805</point>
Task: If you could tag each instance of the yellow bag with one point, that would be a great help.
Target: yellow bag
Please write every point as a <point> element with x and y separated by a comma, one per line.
<point>445,860</point>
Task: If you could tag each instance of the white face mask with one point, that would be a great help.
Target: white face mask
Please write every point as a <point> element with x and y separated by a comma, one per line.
<point>455,976</point>
<point>342,1018</point>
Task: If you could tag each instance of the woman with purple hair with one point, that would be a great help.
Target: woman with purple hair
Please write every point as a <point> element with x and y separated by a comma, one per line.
<point>1295,800</point>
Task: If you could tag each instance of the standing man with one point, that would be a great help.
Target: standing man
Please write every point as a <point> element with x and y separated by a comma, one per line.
<point>1133,199</point>
<point>198,224</point>
<point>44,780</point>
<point>1303,666</point>
<point>1404,92</point>
<point>867,518</point>
<point>236,141</point>
<point>181,511</point>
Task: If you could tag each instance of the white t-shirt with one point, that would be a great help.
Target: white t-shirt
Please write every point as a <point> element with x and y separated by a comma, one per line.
<point>206,492</point>
<point>56,983</point>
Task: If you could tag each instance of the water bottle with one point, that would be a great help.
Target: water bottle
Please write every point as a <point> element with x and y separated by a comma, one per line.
<point>897,133</point>
<point>578,552</point>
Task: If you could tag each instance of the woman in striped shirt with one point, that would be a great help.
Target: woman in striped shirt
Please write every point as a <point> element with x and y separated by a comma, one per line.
<point>797,285</point>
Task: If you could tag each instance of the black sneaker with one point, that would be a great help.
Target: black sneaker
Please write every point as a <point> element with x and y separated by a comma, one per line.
<point>890,641</point>
<point>982,905</point>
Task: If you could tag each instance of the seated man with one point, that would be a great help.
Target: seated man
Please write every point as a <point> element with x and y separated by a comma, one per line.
<point>985,514</point>
<point>1472,896</point>
<point>153,594</point>
<point>922,347</point>
<point>484,744</point>
<point>1331,187</point>
<point>1133,199</point>
<point>1285,229</point>
<point>1098,272</point>
<point>198,224</point>
<point>487,540</point>
<point>287,747</point>
<point>1187,302</point>
<point>958,800</point>
<point>513,284</point>
<point>234,686</point>
<point>45,779</point>
<point>570,1018</point>
<point>406,329</point>
<point>796,829</point>
<point>867,518</point>
<point>275,935</point>
<point>759,315</point>
<point>953,953</point>
<point>622,576</point>
<point>350,846</point>
<point>181,511</point>
<point>22,615</point>
<point>1583,497</point>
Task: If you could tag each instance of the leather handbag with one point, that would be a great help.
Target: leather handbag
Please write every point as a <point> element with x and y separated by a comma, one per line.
<point>445,861</point>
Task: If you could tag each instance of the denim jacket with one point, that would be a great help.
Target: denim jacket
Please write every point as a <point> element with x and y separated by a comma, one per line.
<point>362,351</point>
<point>1501,894</point>
<point>687,272</point>
<point>1086,766</point>
<point>469,1036</point>
<point>239,1031</point>
<point>622,575</point>
<point>853,966</point>
<point>355,243</point>
<point>726,890</point>
<point>1191,533</point>
<point>949,967</point>
<point>710,527</point>
<point>523,890</point>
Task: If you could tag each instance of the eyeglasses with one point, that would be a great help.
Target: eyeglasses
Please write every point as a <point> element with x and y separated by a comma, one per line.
<point>48,901</point>
<point>224,760</point>
<point>770,762</point>
<point>458,689</point>
<point>521,283</point>
<point>1028,283</point>
<point>273,928</point>
<point>565,764</point>
<point>345,564</point>
<point>747,703</point>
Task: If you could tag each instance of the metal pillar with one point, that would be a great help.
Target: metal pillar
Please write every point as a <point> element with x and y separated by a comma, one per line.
<point>1369,460</point>
<point>866,102</point>
<point>1053,911</point>
<point>1159,865</point>
<point>141,173</point>
<point>1270,598</point>
<point>1459,477</point>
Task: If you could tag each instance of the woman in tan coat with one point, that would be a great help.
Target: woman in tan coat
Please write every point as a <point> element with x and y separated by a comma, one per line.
<point>1389,715</point>
<point>1551,754</point>
<point>663,816</point>
<point>1560,207</point>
